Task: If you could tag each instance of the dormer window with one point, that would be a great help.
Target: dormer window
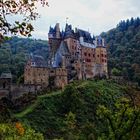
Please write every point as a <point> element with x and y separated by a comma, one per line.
<point>33,64</point>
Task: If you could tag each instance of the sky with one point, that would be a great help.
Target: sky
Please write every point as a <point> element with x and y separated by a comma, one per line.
<point>95,16</point>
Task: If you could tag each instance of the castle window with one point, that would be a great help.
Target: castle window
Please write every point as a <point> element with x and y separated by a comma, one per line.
<point>85,54</point>
<point>105,55</point>
<point>102,55</point>
<point>93,55</point>
<point>51,71</point>
<point>97,55</point>
<point>102,60</point>
<point>89,54</point>
<point>88,60</point>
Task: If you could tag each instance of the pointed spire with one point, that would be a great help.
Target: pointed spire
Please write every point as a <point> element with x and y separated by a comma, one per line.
<point>57,29</point>
<point>67,20</point>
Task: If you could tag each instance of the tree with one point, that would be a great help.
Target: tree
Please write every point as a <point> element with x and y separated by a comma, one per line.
<point>16,131</point>
<point>120,123</point>
<point>71,132</point>
<point>123,51</point>
<point>26,9</point>
<point>71,97</point>
<point>116,72</point>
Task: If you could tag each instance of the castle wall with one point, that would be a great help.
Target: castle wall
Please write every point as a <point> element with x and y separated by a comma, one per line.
<point>61,77</point>
<point>101,55</point>
<point>72,46</point>
<point>78,68</point>
<point>36,75</point>
<point>88,56</point>
<point>101,61</point>
<point>45,76</point>
<point>54,44</point>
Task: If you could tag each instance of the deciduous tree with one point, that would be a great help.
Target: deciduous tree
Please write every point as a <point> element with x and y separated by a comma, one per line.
<point>26,9</point>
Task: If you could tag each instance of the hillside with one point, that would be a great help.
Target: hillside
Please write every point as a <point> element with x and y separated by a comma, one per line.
<point>84,110</point>
<point>15,52</point>
<point>124,49</point>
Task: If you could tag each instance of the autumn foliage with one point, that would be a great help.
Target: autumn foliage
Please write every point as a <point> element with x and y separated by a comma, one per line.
<point>19,128</point>
<point>16,131</point>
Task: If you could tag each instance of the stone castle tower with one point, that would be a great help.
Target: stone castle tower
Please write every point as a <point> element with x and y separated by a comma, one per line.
<point>82,55</point>
<point>55,39</point>
<point>100,68</point>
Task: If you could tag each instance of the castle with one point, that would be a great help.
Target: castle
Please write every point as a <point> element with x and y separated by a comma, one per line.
<point>73,55</point>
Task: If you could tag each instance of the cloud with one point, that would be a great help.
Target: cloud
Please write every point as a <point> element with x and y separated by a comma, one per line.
<point>95,16</point>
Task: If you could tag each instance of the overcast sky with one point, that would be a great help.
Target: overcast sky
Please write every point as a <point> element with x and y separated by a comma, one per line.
<point>94,16</point>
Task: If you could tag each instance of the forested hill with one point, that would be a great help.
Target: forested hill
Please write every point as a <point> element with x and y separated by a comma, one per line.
<point>15,51</point>
<point>85,110</point>
<point>124,49</point>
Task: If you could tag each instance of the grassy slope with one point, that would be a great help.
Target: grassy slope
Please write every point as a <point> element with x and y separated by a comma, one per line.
<point>48,113</point>
<point>30,108</point>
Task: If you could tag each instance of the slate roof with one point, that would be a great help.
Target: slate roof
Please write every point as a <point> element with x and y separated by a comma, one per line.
<point>99,41</point>
<point>85,34</point>
<point>38,61</point>
<point>62,51</point>
<point>64,48</point>
<point>53,31</point>
<point>69,32</point>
